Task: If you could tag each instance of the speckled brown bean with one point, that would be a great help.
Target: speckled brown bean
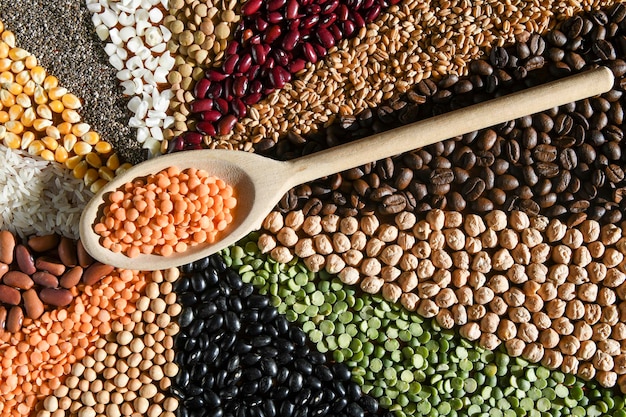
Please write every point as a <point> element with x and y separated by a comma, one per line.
<point>25,260</point>
<point>43,243</point>
<point>32,304</point>
<point>67,252</point>
<point>4,268</point>
<point>9,295</point>
<point>45,279</point>
<point>14,319</point>
<point>56,296</point>
<point>3,318</point>
<point>96,272</point>
<point>84,258</point>
<point>50,265</point>
<point>72,277</point>
<point>18,279</point>
<point>7,245</point>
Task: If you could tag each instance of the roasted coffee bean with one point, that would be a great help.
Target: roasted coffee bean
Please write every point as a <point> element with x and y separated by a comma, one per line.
<point>473,189</point>
<point>393,204</point>
<point>561,181</point>
<point>506,182</point>
<point>441,176</point>
<point>614,173</point>
<point>547,169</point>
<point>545,153</point>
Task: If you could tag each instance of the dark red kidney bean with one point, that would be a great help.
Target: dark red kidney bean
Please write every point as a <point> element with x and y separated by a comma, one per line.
<point>18,279</point>
<point>58,297</point>
<point>260,24</point>
<point>7,246</point>
<point>343,13</point>
<point>310,21</point>
<point>221,105</point>
<point>32,304</point>
<point>9,295</point>
<point>215,90</point>
<point>274,17</point>
<point>240,86</point>
<point>84,258</point>
<point>330,6</point>
<point>72,277</point>
<point>290,40</point>
<point>325,38</point>
<point>336,32</point>
<point>252,99</point>
<point>25,260</point>
<point>328,20</point>
<point>201,88</point>
<point>291,11</point>
<point>297,65</point>
<point>274,5</point>
<point>239,108</point>
<point>358,20</point>
<point>214,75</point>
<point>43,243</point>
<point>281,57</point>
<point>230,64</point>
<point>45,279</point>
<point>294,25</point>
<point>272,33</point>
<point>201,105</point>
<point>206,128</point>
<point>96,272</point>
<point>67,252</point>
<point>232,48</point>
<point>313,9</point>
<point>255,86</point>
<point>373,13</point>
<point>279,77</point>
<point>309,52</point>
<point>244,64</point>
<point>228,87</point>
<point>210,116</point>
<point>15,318</point>
<point>348,27</point>
<point>226,125</point>
<point>319,50</point>
<point>192,137</point>
<point>269,64</point>
<point>251,7</point>
<point>259,54</point>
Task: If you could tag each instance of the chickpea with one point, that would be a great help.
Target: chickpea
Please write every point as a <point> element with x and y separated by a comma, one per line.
<point>453,219</point>
<point>445,298</point>
<point>391,254</point>
<point>474,225</point>
<point>533,303</point>
<point>330,223</point>
<point>358,240</point>
<point>489,341</point>
<point>421,250</point>
<point>369,224</point>
<point>407,281</point>
<point>409,301</point>
<point>370,267</point>
<point>508,238</point>
<point>334,263</point>
<point>552,359</point>
<point>312,225</point>
<point>563,326</point>
<point>349,275</point>
<point>593,313</point>
<point>531,237</point>
<point>498,284</point>
<point>476,279</point>
<point>519,220</point>
<point>603,361</point>
<point>588,292</point>
<point>441,259</point>
<point>619,331</point>
<point>428,289</point>
<point>489,239</point>
<point>442,277</point>
<point>537,272</point>
<point>555,230</point>
<point>425,269</point>
<point>540,253</point>
<point>348,225</point>
<point>590,230</point>
<point>517,274</point>
<point>455,239</point>
<point>427,308</point>
<point>352,257</point>
<point>539,222</point>
<point>294,219</point>
<point>406,240</point>
<point>581,256</point>
<point>445,319</point>
<point>514,297</point>
<point>408,262</point>
<point>610,234</point>
<point>555,308</point>
<point>612,257</point>
<point>266,243</point>
<point>461,260</point>
<point>405,220</point>
<point>389,273</point>
<point>273,222</point>
<point>341,242</point>
<point>422,230</point>
<point>607,379</point>
<point>620,364</point>
<point>287,237</point>
<point>436,219</point>
<point>587,350</point>
<point>614,278</point>
<point>437,240</point>
<point>502,260</point>
<point>470,331</point>
<point>387,233</point>
<point>459,312</point>
<point>460,277</point>
<point>549,338</point>
<point>281,254</point>
<point>569,345</point>
<point>371,284</point>
<point>521,254</point>
<point>596,249</point>
<point>601,331</point>
<point>489,323</point>
<point>315,262</point>
<point>391,292</point>
<point>514,347</point>
<point>465,296</point>
<point>473,245</point>
<point>481,262</point>
<point>562,254</point>
<point>507,330</point>
<point>374,246</point>
<point>496,220</point>
<point>498,306</point>
<point>527,332</point>
<point>542,320</point>
<point>575,309</point>
<point>519,315</point>
<point>570,364</point>
<point>610,346</point>
<point>610,315</point>
<point>596,272</point>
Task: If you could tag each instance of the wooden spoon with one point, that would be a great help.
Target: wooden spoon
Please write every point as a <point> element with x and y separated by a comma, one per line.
<point>260,182</point>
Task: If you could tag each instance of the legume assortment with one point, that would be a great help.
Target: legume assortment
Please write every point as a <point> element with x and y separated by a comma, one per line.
<point>166,212</point>
<point>510,234</point>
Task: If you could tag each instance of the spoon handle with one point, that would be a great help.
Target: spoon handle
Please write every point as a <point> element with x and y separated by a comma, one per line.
<point>454,123</point>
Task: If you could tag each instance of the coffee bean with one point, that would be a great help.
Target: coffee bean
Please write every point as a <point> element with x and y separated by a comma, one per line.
<point>614,173</point>
<point>441,176</point>
<point>506,182</point>
<point>547,169</point>
<point>545,153</point>
<point>473,189</point>
<point>393,204</point>
<point>561,181</point>
<point>568,159</point>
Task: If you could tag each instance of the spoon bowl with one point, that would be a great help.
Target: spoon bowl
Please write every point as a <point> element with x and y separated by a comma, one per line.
<point>259,182</point>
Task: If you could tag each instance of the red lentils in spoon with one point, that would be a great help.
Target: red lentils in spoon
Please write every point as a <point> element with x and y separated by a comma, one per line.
<point>166,213</point>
